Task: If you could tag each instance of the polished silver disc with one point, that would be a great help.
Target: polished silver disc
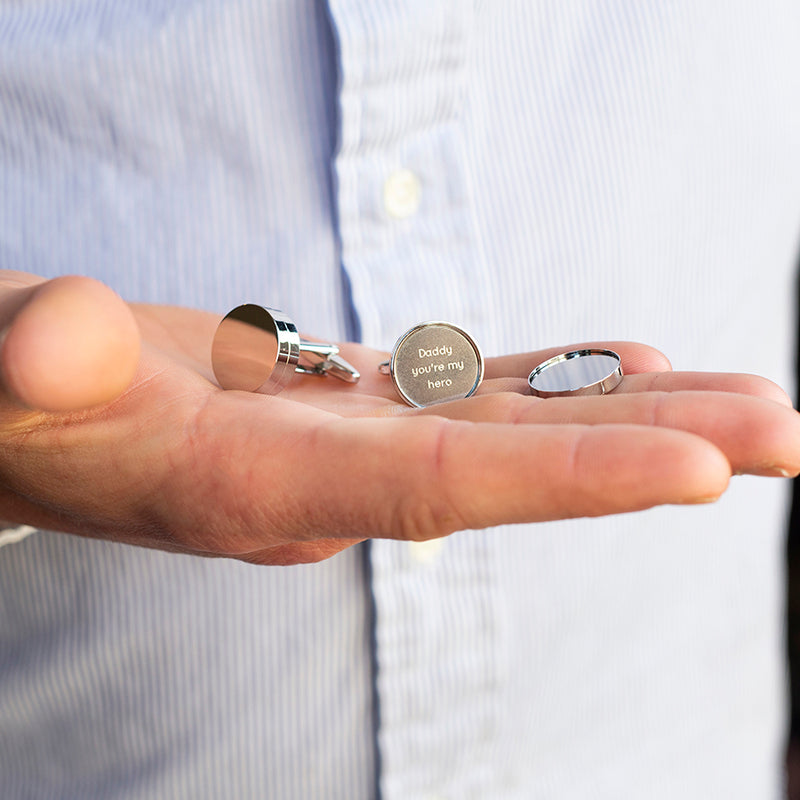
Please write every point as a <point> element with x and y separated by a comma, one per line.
<point>578,372</point>
<point>255,349</point>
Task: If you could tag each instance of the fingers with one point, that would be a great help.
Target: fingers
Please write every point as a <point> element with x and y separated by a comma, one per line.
<point>269,480</point>
<point>272,477</point>
<point>421,478</point>
<point>753,385</point>
<point>68,343</point>
<point>757,435</point>
<point>416,475</point>
<point>183,466</point>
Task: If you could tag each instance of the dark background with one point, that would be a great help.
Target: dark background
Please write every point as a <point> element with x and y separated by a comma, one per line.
<point>793,644</point>
<point>793,616</point>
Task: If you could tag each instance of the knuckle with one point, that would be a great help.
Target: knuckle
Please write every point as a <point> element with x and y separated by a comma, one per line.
<point>427,507</point>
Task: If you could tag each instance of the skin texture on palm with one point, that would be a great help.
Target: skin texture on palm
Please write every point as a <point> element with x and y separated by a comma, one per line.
<point>171,461</point>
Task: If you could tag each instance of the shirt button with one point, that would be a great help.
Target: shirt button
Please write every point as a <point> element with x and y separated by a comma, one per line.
<point>426,552</point>
<point>402,193</point>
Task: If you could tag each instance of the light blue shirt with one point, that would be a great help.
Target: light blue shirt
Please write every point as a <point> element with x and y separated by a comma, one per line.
<point>540,173</point>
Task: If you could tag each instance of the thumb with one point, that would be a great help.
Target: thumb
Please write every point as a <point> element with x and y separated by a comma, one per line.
<point>66,344</point>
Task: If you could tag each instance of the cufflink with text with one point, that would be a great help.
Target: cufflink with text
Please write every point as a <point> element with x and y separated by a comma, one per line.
<point>434,362</point>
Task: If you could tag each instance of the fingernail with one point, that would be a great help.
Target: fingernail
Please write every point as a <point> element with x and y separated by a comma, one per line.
<point>703,500</point>
<point>773,470</point>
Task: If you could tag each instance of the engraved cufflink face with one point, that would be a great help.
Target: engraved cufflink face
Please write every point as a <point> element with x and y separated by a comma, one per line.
<point>435,362</point>
<point>578,372</point>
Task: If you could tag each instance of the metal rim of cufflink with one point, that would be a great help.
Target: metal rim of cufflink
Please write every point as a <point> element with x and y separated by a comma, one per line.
<point>591,371</point>
<point>434,362</point>
<point>256,348</point>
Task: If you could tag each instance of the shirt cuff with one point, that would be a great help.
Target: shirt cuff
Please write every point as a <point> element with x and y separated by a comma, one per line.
<point>16,534</point>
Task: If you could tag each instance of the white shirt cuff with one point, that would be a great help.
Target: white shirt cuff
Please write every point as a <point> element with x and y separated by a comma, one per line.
<point>14,535</point>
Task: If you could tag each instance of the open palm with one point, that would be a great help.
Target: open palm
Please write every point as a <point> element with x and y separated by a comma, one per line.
<point>176,463</point>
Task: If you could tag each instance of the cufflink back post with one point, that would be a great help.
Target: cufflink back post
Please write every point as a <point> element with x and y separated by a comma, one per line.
<point>259,349</point>
<point>434,362</point>
<point>576,373</point>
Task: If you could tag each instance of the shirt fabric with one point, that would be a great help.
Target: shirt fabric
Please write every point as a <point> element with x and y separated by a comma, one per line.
<point>540,173</point>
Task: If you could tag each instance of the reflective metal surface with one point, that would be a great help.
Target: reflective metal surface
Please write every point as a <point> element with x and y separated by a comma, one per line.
<point>578,372</point>
<point>435,362</point>
<point>258,349</point>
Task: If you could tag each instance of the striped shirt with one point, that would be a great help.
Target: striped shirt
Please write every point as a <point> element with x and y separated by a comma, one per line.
<point>539,173</point>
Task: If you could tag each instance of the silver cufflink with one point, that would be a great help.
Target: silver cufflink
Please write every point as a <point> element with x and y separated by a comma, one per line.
<point>578,372</point>
<point>259,349</point>
<point>434,362</point>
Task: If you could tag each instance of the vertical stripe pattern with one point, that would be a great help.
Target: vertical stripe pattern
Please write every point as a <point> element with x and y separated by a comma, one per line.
<point>572,171</point>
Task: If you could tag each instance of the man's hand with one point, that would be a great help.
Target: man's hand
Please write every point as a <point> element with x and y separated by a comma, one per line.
<point>164,458</point>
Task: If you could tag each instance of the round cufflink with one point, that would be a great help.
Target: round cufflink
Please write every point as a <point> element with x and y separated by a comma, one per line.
<point>578,372</point>
<point>434,362</point>
<point>259,349</point>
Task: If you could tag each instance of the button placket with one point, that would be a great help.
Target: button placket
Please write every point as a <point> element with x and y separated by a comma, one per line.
<point>411,249</point>
<point>409,239</point>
